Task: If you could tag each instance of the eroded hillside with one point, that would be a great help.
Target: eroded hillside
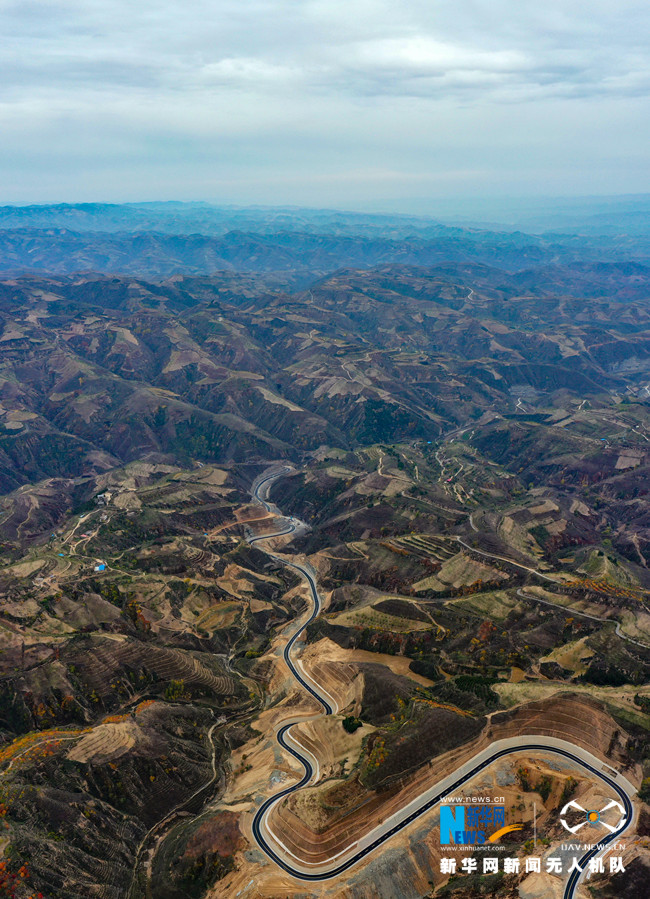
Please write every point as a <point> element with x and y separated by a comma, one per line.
<point>468,452</point>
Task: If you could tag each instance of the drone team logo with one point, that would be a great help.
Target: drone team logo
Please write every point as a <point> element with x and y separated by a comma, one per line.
<point>592,816</point>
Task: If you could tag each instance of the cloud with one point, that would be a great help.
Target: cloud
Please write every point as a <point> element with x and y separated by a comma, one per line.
<point>426,56</point>
<point>247,72</point>
<point>284,88</point>
<point>323,42</point>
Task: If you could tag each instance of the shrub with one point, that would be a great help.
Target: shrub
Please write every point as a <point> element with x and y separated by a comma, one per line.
<point>350,723</point>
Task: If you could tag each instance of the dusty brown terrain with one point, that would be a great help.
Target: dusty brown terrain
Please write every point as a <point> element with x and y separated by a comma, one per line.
<point>470,455</point>
<point>322,820</point>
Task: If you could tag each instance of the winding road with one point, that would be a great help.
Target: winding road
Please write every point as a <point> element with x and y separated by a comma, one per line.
<point>449,786</point>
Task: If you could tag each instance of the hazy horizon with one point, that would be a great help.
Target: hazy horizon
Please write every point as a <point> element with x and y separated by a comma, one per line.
<point>616,211</point>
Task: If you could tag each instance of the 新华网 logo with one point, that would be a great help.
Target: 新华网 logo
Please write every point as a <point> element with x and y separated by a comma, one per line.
<point>470,825</point>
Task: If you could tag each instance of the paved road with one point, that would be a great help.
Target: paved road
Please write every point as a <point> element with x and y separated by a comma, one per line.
<point>288,529</point>
<point>385,831</point>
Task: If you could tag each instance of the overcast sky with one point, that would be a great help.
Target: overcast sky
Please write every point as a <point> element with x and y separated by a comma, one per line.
<point>353,103</point>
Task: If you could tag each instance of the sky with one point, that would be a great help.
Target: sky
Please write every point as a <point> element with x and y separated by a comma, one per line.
<point>368,104</point>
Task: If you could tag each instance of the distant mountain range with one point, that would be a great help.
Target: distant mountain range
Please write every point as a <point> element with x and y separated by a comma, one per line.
<point>161,239</point>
